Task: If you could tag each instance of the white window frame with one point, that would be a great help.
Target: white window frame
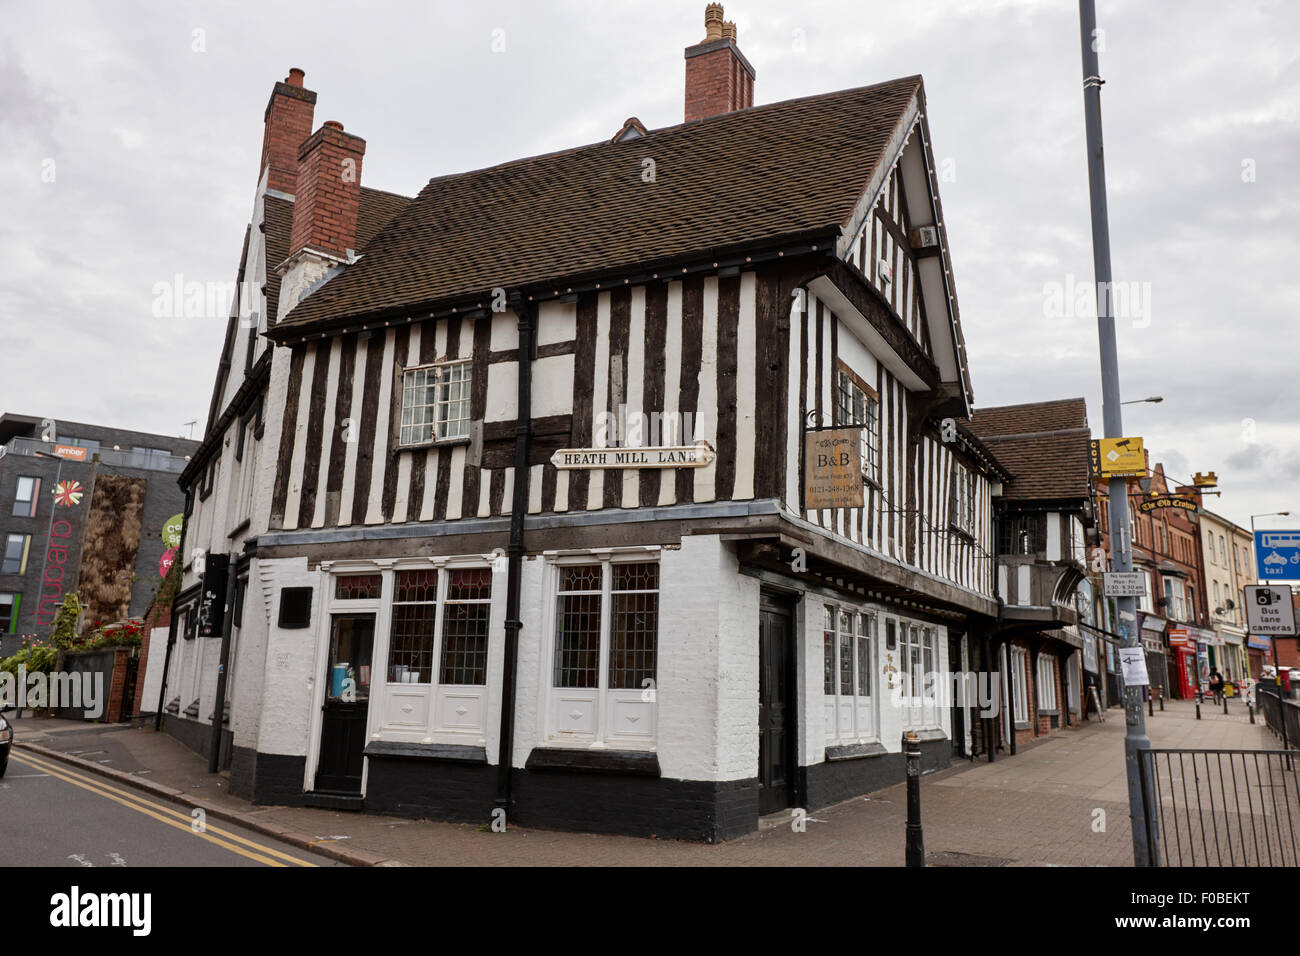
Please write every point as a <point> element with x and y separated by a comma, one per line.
<point>1045,678</point>
<point>848,386</point>
<point>430,712</point>
<point>1019,670</point>
<point>850,717</point>
<point>920,710</point>
<point>435,423</point>
<point>599,717</point>
<point>961,507</point>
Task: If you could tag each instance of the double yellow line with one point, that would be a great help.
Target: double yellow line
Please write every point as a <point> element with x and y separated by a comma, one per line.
<point>161,812</point>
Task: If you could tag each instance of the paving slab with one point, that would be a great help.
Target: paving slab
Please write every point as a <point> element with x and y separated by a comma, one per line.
<point>1060,801</point>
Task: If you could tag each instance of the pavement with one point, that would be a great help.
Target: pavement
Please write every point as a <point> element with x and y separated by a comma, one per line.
<point>1061,801</point>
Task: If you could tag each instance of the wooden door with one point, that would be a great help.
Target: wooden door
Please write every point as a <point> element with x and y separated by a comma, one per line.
<point>776,760</point>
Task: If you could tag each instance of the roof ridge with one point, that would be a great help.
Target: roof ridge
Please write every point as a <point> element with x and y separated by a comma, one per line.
<point>692,124</point>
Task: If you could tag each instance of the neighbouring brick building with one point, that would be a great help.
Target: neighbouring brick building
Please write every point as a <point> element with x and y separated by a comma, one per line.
<point>1043,517</point>
<point>1175,624</point>
<point>82,508</point>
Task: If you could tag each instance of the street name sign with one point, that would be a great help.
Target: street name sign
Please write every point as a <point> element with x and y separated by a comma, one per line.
<point>1124,583</point>
<point>1269,611</point>
<point>676,456</point>
<point>1277,555</point>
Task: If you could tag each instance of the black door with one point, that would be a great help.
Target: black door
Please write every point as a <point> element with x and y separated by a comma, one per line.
<point>347,700</point>
<point>775,711</point>
<point>960,701</point>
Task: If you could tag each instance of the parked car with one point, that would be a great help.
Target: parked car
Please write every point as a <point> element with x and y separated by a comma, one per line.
<point>6,740</point>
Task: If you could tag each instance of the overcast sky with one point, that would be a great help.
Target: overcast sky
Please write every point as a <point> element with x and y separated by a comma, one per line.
<point>147,118</point>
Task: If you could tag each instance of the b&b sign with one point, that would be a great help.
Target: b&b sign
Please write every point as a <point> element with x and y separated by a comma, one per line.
<point>832,469</point>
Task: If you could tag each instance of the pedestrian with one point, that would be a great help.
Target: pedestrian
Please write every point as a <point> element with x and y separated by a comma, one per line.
<point>1216,686</point>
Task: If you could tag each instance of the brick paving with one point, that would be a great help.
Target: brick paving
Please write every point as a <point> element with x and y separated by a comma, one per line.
<point>1034,809</point>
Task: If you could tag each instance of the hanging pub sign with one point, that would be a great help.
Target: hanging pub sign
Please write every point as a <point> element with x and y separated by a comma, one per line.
<point>668,456</point>
<point>212,602</point>
<point>1166,501</point>
<point>1117,458</point>
<point>832,468</point>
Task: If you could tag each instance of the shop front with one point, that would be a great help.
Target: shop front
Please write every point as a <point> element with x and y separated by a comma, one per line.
<point>1259,651</point>
<point>1184,678</point>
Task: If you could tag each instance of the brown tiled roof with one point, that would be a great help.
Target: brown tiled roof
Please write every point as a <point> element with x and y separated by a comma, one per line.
<point>760,174</point>
<point>1043,444</point>
<point>377,208</point>
<point>279,222</point>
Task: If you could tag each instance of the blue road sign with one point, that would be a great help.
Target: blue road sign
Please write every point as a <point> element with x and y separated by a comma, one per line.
<point>1277,555</point>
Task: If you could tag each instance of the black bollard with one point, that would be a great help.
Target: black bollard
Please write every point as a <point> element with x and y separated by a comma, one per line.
<point>915,843</point>
<point>1251,708</point>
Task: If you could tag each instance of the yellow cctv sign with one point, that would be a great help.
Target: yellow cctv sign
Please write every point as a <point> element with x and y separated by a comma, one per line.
<point>1118,458</point>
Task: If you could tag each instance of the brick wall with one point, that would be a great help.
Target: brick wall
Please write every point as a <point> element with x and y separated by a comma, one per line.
<point>716,82</point>
<point>288,122</point>
<point>328,191</point>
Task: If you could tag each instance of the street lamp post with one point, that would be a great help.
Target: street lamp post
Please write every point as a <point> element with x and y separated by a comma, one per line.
<point>1135,736</point>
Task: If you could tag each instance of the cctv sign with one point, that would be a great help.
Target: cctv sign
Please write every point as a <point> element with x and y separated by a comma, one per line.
<point>1269,612</point>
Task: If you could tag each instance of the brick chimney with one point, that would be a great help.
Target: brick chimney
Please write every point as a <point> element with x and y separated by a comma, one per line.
<point>327,195</point>
<point>288,123</point>
<point>718,77</point>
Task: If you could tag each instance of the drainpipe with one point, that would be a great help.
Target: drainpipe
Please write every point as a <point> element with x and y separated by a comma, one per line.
<point>219,706</point>
<point>525,311</point>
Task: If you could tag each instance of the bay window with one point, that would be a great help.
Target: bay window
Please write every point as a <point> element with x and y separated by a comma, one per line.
<point>604,656</point>
<point>849,638</point>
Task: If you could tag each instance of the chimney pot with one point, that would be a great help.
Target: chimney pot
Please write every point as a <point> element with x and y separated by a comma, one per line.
<point>334,124</point>
<point>713,22</point>
<point>718,77</point>
<point>295,76</point>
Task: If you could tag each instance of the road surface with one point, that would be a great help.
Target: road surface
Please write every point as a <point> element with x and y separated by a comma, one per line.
<point>52,814</point>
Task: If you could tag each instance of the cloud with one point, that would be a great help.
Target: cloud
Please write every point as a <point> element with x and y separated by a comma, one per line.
<point>156,149</point>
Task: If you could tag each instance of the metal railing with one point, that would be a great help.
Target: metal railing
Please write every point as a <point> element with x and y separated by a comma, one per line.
<point>147,461</point>
<point>1222,807</point>
<point>1276,710</point>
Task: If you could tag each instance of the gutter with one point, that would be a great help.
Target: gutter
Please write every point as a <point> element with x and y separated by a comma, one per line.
<point>525,310</point>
